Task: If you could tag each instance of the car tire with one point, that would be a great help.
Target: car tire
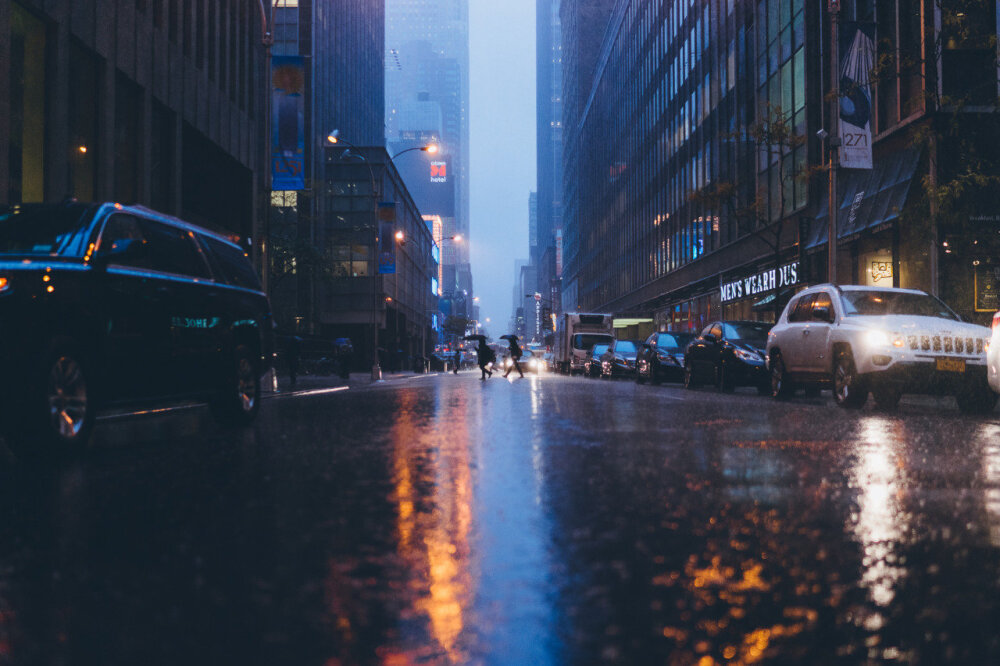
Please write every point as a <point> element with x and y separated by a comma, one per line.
<point>781,387</point>
<point>238,400</point>
<point>849,390</point>
<point>887,398</point>
<point>689,380</point>
<point>56,415</point>
<point>976,402</point>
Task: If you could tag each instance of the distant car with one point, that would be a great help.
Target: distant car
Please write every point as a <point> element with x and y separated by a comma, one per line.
<point>548,358</point>
<point>879,340</point>
<point>661,357</point>
<point>728,354</point>
<point>592,365</point>
<point>533,361</point>
<point>993,357</point>
<point>619,359</point>
<point>104,304</point>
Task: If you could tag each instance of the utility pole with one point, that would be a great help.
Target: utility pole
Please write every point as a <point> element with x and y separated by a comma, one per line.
<point>833,8</point>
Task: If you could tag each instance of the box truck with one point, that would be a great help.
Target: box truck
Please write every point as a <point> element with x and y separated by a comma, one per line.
<point>576,333</point>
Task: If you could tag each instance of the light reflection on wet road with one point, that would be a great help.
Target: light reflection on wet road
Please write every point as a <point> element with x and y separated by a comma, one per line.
<point>541,521</point>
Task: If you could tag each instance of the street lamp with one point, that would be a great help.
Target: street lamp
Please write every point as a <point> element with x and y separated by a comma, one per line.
<point>333,138</point>
<point>267,41</point>
<point>430,149</point>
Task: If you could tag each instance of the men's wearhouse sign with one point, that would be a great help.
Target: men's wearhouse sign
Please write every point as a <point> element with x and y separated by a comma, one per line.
<point>760,283</point>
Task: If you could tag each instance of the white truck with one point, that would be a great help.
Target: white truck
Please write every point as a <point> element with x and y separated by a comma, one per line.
<point>576,333</point>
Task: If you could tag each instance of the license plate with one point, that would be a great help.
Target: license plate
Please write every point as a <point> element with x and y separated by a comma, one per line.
<point>951,365</point>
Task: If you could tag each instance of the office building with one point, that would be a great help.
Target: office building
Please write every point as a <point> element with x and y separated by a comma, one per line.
<point>156,103</point>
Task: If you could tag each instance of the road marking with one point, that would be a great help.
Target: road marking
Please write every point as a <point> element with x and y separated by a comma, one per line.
<point>150,412</point>
<point>323,391</point>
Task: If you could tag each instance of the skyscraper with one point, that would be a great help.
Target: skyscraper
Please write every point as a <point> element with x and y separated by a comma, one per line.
<point>548,95</point>
<point>427,98</point>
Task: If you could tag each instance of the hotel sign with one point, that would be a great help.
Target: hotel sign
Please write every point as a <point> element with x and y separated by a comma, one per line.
<point>760,283</point>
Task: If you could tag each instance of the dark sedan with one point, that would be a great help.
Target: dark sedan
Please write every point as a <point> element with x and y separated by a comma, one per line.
<point>619,359</point>
<point>592,366</point>
<point>661,357</point>
<point>103,304</point>
<point>729,354</point>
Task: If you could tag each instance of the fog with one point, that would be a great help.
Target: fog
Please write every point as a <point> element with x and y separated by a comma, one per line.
<point>502,137</point>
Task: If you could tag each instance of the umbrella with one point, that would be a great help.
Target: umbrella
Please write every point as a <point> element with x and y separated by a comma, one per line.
<point>512,338</point>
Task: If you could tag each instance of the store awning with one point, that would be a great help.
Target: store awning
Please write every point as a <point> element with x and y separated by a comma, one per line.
<point>868,198</point>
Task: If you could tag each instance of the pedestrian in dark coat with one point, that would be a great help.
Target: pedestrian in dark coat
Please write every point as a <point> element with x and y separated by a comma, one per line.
<point>515,354</point>
<point>485,354</point>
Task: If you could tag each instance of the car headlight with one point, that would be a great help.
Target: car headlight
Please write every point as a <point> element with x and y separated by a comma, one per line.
<point>747,355</point>
<point>877,339</point>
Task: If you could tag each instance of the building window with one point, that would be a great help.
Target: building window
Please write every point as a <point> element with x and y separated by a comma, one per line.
<point>83,90</point>
<point>27,107</point>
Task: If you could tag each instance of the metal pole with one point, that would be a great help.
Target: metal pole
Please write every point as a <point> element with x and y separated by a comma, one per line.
<point>267,40</point>
<point>834,144</point>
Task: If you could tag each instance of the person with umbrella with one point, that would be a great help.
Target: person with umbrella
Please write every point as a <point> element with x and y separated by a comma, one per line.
<point>485,354</point>
<point>515,354</point>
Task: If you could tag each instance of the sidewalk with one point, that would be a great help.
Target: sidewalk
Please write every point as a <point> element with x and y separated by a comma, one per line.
<point>317,382</point>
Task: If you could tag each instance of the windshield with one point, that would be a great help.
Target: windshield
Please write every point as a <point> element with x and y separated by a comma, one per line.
<point>588,340</point>
<point>42,230</point>
<point>754,335</point>
<point>625,347</point>
<point>599,349</point>
<point>894,303</point>
<point>673,341</point>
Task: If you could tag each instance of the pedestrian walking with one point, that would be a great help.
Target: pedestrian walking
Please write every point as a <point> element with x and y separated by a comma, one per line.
<point>515,355</point>
<point>485,354</point>
<point>458,360</point>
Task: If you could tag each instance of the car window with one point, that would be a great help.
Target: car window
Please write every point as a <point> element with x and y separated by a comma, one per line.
<point>121,228</point>
<point>801,310</point>
<point>822,300</point>
<point>588,340</point>
<point>716,330</point>
<point>707,330</point>
<point>673,341</point>
<point>43,230</point>
<point>599,349</point>
<point>748,333</point>
<point>232,264</point>
<point>864,302</point>
<point>172,250</point>
<point>625,347</point>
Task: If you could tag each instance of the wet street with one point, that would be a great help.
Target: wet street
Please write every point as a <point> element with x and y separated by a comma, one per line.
<point>550,520</point>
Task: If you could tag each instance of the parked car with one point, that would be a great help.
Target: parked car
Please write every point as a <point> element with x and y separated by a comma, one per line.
<point>728,354</point>
<point>619,359</point>
<point>661,357</point>
<point>860,340</point>
<point>993,357</point>
<point>592,366</point>
<point>103,304</point>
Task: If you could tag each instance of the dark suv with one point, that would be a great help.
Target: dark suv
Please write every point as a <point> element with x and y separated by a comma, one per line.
<point>103,304</point>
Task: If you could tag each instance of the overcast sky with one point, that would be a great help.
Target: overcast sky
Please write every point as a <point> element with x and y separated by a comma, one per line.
<point>502,159</point>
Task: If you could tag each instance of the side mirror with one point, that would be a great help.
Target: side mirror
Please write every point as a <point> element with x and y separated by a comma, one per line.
<point>823,313</point>
<point>124,250</point>
<point>710,338</point>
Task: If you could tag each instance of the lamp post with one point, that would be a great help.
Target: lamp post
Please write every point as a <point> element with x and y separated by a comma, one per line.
<point>430,148</point>
<point>333,138</point>
<point>267,41</point>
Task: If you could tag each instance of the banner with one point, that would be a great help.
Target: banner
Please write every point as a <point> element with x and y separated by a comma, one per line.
<point>288,141</point>
<point>857,58</point>
<point>386,248</point>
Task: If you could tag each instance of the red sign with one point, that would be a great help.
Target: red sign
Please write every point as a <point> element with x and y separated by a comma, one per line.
<point>439,172</point>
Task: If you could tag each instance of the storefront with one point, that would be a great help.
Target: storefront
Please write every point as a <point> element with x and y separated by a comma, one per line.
<point>760,294</point>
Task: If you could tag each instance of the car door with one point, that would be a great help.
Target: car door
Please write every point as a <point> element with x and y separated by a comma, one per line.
<point>190,300</point>
<point>815,346</point>
<point>711,353</point>
<point>137,345</point>
<point>793,336</point>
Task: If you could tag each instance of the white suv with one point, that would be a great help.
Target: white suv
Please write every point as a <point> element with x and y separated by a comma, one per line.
<point>993,358</point>
<point>880,340</point>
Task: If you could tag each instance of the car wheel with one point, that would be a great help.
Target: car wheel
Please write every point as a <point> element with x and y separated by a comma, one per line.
<point>973,401</point>
<point>689,380</point>
<point>58,408</point>
<point>887,398</point>
<point>238,401</point>
<point>781,387</point>
<point>725,378</point>
<point>849,390</point>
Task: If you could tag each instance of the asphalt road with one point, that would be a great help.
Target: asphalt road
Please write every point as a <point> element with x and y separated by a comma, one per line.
<point>549,520</point>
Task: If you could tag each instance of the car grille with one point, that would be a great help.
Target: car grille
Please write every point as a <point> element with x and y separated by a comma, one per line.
<point>945,344</point>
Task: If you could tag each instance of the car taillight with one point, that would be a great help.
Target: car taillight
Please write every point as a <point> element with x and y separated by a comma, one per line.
<point>996,321</point>
<point>4,284</point>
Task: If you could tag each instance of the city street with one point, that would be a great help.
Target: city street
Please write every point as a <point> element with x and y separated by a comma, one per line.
<point>551,520</point>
